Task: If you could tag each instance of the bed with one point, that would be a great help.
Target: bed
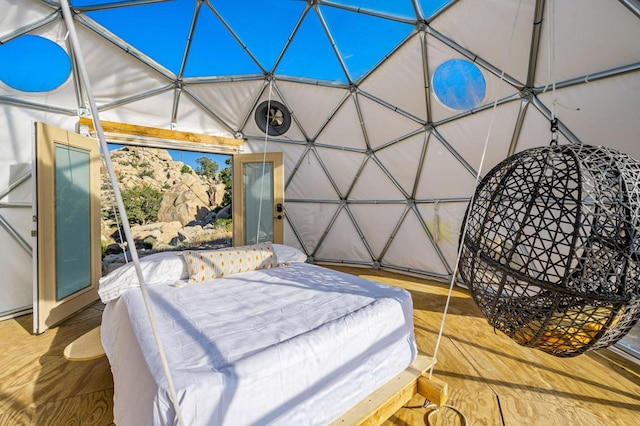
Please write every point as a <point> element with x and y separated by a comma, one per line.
<point>290,343</point>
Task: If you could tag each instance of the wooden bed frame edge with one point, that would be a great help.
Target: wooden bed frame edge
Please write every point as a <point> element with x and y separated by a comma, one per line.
<point>385,401</point>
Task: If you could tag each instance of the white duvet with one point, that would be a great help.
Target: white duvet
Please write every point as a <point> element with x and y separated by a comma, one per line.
<point>292,345</point>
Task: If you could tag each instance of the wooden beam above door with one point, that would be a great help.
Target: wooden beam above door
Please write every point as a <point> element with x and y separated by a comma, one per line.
<point>129,132</point>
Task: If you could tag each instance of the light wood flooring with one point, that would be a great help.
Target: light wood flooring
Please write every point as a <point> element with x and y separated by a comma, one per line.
<point>493,381</point>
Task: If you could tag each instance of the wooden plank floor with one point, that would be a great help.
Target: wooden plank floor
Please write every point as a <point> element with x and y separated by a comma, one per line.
<point>493,381</point>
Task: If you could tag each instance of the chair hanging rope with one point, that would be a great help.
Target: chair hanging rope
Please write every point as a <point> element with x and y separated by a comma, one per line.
<point>552,250</point>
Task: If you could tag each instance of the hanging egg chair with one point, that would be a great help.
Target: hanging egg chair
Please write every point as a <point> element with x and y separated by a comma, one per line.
<point>551,253</point>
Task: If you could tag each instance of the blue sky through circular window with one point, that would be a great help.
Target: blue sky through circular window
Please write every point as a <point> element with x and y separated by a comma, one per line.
<point>459,84</point>
<point>37,64</point>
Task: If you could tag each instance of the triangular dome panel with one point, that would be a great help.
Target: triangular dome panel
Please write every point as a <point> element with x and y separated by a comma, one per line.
<point>154,111</point>
<point>15,15</point>
<point>344,129</point>
<point>159,30</point>
<point>583,41</point>
<point>342,166</point>
<point>320,62</point>
<point>374,184</point>
<point>586,110</point>
<point>379,223</point>
<point>395,80</point>
<point>246,19</point>
<point>411,248</point>
<point>311,115</point>
<point>333,247</point>
<point>468,136</point>
<point>191,115</point>
<point>444,221</point>
<point>121,76</point>
<point>228,57</point>
<point>310,220</point>
<point>438,54</point>
<point>402,159</point>
<point>310,181</point>
<point>480,28</point>
<point>252,130</point>
<point>535,131</point>
<point>384,125</point>
<point>443,175</point>
<point>351,31</point>
<point>230,101</point>
<point>64,96</point>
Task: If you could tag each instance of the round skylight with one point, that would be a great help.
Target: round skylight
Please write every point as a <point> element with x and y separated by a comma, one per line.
<point>459,84</point>
<point>37,64</point>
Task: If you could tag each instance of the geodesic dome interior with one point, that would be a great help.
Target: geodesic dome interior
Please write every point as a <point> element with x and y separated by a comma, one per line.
<point>390,103</point>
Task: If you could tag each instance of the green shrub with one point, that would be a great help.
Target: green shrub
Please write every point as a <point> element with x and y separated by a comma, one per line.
<point>145,172</point>
<point>186,169</point>
<point>142,204</point>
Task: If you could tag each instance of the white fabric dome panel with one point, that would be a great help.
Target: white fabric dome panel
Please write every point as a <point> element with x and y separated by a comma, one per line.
<point>411,248</point>
<point>344,129</point>
<point>384,125</point>
<point>468,136</point>
<point>396,80</point>
<point>374,184</point>
<point>252,130</point>
<point>343,242</point>
<point>402,160</point>
<point>485,28</point>
<point>590,36</point>
<point>535,131</point>
<point>342,166</point>
<point>230,101</point>
<point>310,221</point>
<point>312,115</point>
<point>15,15</point>
<point>443,175</point>
<point>439,53</point>
<point>449,224</point>
<point>310,181</point>
<point>586,110</point>
<point>377,223</point>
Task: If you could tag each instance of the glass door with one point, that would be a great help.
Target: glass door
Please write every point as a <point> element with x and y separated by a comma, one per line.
<point>68,225</point>
<point>258,198</point>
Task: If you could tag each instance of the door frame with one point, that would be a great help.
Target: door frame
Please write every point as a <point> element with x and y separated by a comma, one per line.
<point>238,207</point>
<point>47,311</point>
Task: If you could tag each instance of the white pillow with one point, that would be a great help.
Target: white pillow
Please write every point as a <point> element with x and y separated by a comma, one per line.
<point>156,268</point>
<point>288,254</point>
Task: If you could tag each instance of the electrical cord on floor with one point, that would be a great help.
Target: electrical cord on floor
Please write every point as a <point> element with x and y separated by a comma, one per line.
<point>434,409</point>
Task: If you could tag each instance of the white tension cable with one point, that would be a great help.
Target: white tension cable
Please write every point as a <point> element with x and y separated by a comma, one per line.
<point>66,13</point>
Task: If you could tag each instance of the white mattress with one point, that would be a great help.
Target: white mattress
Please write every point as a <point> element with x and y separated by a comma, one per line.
<point>297,344</point>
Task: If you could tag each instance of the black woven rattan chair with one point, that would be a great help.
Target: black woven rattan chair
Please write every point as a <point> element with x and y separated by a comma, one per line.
<point>551,252</point>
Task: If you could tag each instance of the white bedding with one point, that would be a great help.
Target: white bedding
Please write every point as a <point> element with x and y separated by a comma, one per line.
<point>294,345</point>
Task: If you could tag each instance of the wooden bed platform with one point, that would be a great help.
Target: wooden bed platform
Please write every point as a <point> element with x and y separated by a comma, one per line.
<point>492,380</point>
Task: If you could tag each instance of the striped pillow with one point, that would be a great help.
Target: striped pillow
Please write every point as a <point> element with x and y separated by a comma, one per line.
<point>207,265</point>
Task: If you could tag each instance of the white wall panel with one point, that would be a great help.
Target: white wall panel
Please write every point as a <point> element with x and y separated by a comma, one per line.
<point>374,184</point>
<point>230,101</point>
<point>412,249</point>
<point>344,129</point>
<point>342,166</point>
<point>343,242</point>
<point>590,36</point>
<point>310,181</point>
<point>377,223</point>
<point>310,220</point>
<point>383,124</point>
<point>399,79</point>
<point>402,160</point>
<point>311,114</point>
<point>485,28</point>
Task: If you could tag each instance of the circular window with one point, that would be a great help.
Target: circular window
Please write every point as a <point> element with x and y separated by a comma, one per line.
<point>273,118</point>
<point>459,84</point>
<point>37,64</point>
